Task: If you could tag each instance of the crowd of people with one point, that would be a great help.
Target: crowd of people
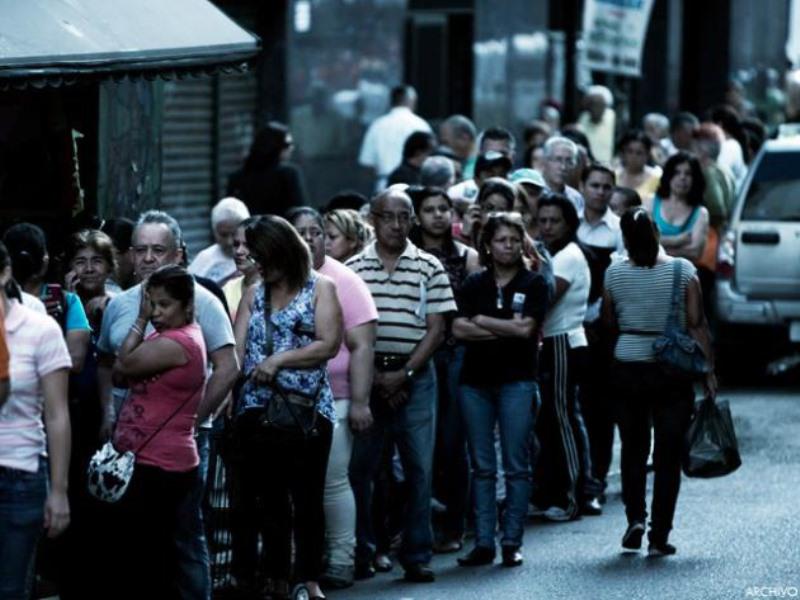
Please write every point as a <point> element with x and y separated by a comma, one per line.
<point>446,360</point>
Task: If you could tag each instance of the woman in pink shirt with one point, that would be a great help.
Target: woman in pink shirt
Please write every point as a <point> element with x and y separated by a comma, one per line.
<point>166,373</point>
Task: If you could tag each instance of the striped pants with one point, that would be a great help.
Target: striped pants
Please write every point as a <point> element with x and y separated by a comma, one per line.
<point>563,445</point>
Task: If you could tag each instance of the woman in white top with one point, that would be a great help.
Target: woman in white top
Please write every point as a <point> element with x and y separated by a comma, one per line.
<point>636,304</point>
<point>39,365</point>
<point>564,461</point>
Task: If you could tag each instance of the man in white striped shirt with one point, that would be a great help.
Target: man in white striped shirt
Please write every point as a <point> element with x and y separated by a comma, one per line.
<point>412,293</point>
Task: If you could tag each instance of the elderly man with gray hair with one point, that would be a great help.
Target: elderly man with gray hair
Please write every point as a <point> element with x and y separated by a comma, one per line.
<point>216,262</point>
<point>437,171</point>
<point>598,122</point>
<point>560,156</point>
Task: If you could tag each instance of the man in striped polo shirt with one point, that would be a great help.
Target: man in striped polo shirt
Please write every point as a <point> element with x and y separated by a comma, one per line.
<point>412,293</point>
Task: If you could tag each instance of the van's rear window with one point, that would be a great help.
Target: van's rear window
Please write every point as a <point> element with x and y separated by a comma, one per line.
<point>774,192</point>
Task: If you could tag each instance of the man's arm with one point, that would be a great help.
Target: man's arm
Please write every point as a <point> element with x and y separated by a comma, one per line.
<point>518,327</point>
<point>466,330</point>
<point>433,338</point>
<point>224,375</point>
<point>360,341</point>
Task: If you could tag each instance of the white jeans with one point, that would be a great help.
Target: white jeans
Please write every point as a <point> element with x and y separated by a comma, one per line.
<point>340,506</point>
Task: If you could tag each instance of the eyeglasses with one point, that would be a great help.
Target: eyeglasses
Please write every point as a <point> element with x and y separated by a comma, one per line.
<point>388,218</point>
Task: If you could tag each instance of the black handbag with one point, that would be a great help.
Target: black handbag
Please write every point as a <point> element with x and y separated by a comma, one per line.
<point>711,446</point>
<point>676,350</point>
<point>287,412</point>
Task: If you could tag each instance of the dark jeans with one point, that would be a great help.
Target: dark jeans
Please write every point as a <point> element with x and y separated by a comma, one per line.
<point>451,469</point>
<point>412,427</point>
<point>141,560</point>
<point>645,393</point>
<point>281,481</point>
<point>22,498</point>
<point>194,567</point>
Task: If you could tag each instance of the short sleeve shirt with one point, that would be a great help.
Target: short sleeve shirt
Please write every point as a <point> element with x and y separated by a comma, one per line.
<point>37,348</point>
<point>566,316</point>
<point>417,287</point>
<point>494,362</point>
<point>358,308</point>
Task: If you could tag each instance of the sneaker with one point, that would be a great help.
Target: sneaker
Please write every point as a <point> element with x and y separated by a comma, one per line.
<point>558,514</point>
<point>632,540</point>
<point>535,511</point>
<point>337,577</point>
<point>592,507</point>
<point>419,573</point>
<point>661,549</point>
<point>477,557</point>
<point>512,557</point>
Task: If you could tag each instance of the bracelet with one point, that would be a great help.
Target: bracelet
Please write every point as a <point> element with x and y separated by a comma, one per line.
<point>137,329</point>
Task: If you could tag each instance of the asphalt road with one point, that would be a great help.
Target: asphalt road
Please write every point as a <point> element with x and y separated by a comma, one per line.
<point>737,536</point>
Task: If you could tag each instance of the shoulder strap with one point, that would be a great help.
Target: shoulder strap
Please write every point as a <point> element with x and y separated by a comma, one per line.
<point>674,310</point>
<point>268,327</point>
<point>169,418</point>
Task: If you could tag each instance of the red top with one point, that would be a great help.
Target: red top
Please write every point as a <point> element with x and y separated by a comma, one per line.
<point>152,401</point>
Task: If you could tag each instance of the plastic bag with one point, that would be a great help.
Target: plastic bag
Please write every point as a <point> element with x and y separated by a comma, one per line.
<point>711,446</point>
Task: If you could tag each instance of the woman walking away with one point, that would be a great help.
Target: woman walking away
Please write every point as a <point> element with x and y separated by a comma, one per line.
<point>37,402</point>
<point>166,372</point>
<point>500,314</point>
<point>636,305</point>
<point>286,329</point>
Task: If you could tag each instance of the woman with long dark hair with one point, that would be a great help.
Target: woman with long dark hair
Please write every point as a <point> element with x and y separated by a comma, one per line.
<point>287,328</point>
<point>34,423</point>
<point>636,305</point>
<point>499,318</point>
<point>268,183</point>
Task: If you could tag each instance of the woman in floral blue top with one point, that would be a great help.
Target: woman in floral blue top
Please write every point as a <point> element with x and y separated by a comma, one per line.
<point>280,471</point>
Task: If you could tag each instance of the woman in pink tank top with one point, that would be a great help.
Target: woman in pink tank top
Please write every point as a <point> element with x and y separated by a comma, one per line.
<point>166,375</point>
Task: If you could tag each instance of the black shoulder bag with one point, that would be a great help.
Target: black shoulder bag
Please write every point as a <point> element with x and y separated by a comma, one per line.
<point>293,414</point>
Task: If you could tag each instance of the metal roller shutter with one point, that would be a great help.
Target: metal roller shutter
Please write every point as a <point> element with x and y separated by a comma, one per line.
<point>188,157</point>
<point>208,128</point>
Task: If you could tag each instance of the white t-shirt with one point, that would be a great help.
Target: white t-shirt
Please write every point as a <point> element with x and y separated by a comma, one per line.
<point>382,148</point>
<point>214,264</point>
<point>567,315</point>
<point>33,303</point>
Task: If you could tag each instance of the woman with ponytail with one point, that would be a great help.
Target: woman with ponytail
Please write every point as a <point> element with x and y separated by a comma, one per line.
<point>27,247</point>
<point>37,402</point>
<point>636,305</point>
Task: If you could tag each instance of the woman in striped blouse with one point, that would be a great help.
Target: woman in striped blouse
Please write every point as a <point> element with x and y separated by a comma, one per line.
<point>638,294</point>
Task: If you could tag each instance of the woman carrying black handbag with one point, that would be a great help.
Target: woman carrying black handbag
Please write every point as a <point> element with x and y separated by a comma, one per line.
<point>636,308</point>
<point>286,329</point>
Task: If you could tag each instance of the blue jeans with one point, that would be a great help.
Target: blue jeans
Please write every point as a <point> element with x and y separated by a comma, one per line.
<point>194,567</point>
<point>412,427</point>
<point>22,498</point>
<point>512,407</point>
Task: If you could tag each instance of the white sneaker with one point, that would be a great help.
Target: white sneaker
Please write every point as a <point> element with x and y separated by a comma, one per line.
<point>557,514</point>
<point>535,511</point>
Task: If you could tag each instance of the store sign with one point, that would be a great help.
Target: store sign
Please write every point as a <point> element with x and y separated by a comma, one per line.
<point>613,35</point>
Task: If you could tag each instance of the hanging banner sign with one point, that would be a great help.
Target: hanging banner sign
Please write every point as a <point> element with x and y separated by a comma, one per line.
<point>613,35</point>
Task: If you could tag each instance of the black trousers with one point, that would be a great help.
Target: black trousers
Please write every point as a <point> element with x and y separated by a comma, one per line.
<point>281,481</point>
<point>597,404</point>
<point>562,473</point>
<point>645,393</point>
<point>140,558</point>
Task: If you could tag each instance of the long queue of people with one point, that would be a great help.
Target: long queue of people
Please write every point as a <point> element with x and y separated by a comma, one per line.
<point>445,358</point>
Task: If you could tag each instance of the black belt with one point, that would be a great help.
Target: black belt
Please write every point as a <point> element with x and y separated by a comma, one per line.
<point>390,362</point>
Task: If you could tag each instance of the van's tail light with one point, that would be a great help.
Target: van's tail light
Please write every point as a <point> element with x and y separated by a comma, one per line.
<point>726,255</point>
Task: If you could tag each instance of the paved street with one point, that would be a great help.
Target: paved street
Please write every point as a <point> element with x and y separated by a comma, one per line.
<point>734,535</point>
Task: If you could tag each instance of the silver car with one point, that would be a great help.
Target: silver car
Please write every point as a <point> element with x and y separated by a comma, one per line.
<point>758,272</point>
